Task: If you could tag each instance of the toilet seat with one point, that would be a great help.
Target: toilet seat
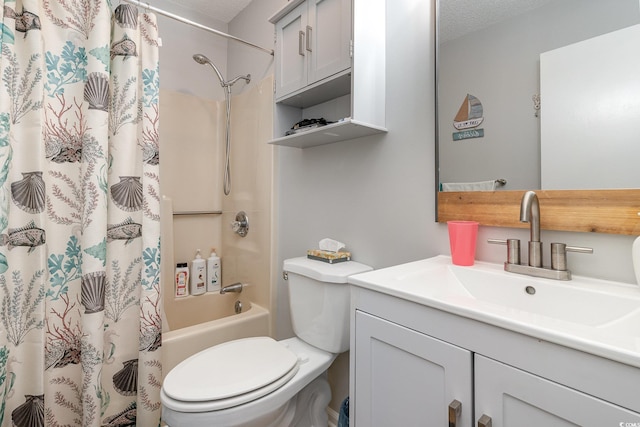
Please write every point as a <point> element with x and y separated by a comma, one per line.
<point>229,374</point>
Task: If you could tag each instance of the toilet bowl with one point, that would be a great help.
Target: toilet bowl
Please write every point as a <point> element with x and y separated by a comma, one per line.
<point>262,382</point>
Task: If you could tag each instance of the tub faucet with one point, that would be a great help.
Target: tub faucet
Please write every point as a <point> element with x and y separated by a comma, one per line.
<point>530,212</point>
<point>235,287</point>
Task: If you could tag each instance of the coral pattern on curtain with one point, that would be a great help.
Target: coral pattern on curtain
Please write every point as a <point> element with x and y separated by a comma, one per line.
<point>80,326</point>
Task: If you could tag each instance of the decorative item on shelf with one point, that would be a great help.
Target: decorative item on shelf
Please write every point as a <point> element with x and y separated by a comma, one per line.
<point>536,104</point>
<point>306,125</point>
<point>468,118</point>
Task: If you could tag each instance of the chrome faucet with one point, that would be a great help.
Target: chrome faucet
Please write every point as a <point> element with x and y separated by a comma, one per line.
<point>530,212</point>
<point>235,287</point>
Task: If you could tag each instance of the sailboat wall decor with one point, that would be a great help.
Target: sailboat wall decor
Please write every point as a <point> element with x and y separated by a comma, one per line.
<point>468,118</point>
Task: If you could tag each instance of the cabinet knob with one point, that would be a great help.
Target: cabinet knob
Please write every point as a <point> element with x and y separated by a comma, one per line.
<point>455,409</point>
<point>484,421</point>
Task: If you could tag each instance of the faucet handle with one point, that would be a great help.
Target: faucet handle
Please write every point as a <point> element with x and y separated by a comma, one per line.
<point>559,254</point>
<point>513,249</point>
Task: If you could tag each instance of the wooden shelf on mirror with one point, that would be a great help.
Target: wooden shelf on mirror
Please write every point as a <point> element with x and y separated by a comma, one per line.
<point>596,211</point>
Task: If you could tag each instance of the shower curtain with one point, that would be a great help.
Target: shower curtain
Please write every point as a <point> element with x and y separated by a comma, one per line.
<point>79,215</point>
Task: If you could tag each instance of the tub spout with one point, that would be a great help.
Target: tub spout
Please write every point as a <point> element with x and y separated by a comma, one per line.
<point>235,287</point>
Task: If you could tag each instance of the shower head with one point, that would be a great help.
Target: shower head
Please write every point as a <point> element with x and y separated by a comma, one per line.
<point>202,60</point>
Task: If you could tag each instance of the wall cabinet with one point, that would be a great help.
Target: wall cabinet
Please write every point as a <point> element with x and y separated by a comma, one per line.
<point>313,42</point>
<point>329,63</point>
<point>412,365</point>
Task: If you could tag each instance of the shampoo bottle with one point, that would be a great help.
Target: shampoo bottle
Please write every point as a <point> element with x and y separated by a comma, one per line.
<point>213,272</point>
<point>182,279</point>
<point>198,275</point>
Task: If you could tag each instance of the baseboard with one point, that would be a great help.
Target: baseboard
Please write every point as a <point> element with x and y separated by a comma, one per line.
<point>333,417</point>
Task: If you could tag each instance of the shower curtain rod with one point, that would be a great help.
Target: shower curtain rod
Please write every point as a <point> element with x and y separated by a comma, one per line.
<point>147,6</point>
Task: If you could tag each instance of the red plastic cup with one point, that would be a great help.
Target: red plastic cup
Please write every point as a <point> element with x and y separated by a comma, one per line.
<point>462,240</point>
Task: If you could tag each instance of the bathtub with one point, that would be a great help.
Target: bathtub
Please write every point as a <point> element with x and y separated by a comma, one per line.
<point>178,344</point>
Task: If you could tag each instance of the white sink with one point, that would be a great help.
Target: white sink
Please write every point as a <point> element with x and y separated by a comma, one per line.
<point>597,316</point>
<point>582,301</point>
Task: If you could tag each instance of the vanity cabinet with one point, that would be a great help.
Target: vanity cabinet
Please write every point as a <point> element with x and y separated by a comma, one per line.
<point>410,362</point>
<point>512,397</point>
<point>408,378</point>
<point>330,64</point>
<point>313,42</point>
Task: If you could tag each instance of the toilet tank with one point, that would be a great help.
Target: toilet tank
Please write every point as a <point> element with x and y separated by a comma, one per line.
<point>319,299</point>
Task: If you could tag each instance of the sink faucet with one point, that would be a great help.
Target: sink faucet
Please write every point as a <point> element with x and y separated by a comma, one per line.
<point>530,212</point>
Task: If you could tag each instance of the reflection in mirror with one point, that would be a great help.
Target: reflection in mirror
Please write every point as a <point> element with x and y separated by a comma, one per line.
<point>494,56</point>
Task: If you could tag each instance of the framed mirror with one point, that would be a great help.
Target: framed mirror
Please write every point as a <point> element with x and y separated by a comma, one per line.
<point>500,65</point>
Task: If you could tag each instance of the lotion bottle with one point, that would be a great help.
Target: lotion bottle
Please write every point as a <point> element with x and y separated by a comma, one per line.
<point>213,272</point>
<point>182,280</point>
<point>198,275</point>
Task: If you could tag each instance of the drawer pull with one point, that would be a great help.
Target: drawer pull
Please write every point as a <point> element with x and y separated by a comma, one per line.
<point>455,409</point>
<point>484,421</point>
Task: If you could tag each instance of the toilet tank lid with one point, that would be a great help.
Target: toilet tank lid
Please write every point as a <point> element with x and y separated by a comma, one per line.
<point>323,271</point>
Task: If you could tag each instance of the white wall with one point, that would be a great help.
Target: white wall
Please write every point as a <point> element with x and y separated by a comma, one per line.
<point>377,193</point>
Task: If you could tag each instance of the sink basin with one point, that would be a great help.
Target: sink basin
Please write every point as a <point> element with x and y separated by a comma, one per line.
<point>581,301</point>
<point>597,316</point>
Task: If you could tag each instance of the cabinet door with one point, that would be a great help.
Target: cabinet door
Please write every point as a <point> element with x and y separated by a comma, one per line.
<point>291,53</point>
<point>405,378</point>
<point>329,37</point>
<point>514,398</point>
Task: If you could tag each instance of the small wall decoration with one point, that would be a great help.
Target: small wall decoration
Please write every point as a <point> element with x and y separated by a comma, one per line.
<point>468,118</point>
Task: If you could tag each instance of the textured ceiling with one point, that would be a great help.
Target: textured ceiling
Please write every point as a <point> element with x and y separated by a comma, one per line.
<point>460,17</point>
<point>457,17</point>
<point>222,10</point>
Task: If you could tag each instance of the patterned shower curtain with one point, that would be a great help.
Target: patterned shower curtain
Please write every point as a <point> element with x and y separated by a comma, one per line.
<point>79,215</point>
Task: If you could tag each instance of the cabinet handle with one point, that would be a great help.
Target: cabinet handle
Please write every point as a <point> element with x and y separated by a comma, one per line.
<point>484,421</point>
<point>309,31</point>
<point>301,43</point>
<point>455,409</point>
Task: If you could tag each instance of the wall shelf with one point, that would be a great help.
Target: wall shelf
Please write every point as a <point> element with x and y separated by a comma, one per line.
<point>340,131</point>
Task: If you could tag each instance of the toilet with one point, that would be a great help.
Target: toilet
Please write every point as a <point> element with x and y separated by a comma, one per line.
<point>262,382</point>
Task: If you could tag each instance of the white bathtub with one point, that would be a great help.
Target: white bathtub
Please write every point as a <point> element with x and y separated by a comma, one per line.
<point>181,343</point>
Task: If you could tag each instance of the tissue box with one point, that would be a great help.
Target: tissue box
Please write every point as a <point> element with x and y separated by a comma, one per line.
<point>327,256</point>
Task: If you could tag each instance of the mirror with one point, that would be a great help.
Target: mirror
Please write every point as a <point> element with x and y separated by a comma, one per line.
<point>489,53</point>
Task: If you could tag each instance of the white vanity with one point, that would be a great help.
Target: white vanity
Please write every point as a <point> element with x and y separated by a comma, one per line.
<point>433,344</point>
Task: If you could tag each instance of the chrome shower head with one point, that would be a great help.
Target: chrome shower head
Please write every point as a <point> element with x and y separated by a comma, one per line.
<point>201,59</point>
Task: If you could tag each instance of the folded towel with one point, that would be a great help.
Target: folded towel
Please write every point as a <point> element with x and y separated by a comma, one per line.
<point>469,186</point>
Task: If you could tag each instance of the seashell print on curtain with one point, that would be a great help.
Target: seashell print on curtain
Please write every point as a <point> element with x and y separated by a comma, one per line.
<point>80,325</point>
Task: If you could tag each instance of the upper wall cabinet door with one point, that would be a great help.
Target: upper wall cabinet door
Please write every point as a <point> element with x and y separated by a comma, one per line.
<point>313,42</point>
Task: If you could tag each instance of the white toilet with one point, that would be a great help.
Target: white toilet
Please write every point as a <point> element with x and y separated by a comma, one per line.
<point>262,382</point>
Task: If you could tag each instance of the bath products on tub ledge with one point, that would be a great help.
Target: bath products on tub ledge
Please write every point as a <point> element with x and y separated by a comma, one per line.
<point>198,275</point>
<point>213,272</point>
<point>182,280</point>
